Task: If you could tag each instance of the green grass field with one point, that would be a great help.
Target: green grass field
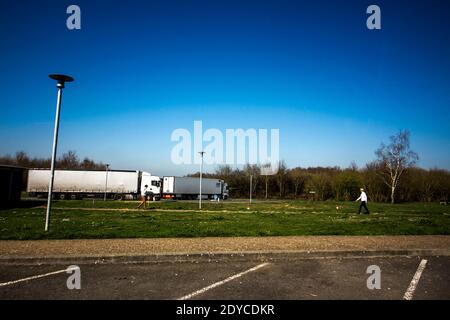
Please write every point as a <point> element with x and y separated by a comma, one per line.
<point>84,219</point>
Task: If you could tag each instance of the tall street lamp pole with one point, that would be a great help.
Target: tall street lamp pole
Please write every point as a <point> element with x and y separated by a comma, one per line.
<point>201,173</point>
<point>251,188</point>
<point>61,79</point>
<point>106,183</point>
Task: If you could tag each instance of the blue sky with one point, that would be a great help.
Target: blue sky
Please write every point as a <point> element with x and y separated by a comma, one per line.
<point>142,69</point>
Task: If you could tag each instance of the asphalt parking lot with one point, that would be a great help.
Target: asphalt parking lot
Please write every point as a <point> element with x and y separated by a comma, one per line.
<point>278,279</point>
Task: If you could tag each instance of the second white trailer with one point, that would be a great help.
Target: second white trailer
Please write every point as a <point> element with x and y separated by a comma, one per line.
<point>189,188</point>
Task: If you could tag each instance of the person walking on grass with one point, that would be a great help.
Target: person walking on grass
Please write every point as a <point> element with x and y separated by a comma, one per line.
<point>143,197</point>
<point>363,198</point>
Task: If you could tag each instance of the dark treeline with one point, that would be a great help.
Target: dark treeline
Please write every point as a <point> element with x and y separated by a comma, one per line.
<point>334,183</point>
<point>319,183</point>
<point>393,176</point>
<point>68,160</point>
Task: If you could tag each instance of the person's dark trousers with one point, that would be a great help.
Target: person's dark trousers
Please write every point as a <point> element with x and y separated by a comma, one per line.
<point>363,205</point>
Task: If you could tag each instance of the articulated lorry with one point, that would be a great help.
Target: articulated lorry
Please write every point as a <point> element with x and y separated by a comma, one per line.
<point>189,187</point>
<point>120,185</point>
<point>78,184</point>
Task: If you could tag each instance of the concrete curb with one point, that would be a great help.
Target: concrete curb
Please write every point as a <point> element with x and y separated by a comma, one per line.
<point>218,256</point>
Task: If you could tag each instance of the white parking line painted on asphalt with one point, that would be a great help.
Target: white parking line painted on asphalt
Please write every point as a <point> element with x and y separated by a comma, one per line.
<point>214,285</point>
<point>415,280</point>
<point>33,277</point>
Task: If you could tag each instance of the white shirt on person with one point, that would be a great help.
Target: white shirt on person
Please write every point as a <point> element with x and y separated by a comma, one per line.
<point>144,191</point>
<point>362,197</point>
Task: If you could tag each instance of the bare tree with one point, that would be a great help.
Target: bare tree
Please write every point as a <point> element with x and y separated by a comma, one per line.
<point>266,185</point>
<point>89,164</point>
<point>394,159</point>
<point>68,160</point>
<point>321,184</point>
<point>224,172</point>
<point>264,169</point>
<point>281,177</point>
<point>22,159</point>
<point>254,171</point>
<point>298,179</point>
<point>373,182</point>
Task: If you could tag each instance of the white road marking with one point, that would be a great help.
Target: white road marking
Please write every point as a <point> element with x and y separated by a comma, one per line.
<point>415,280</point>
<point>214,285</point>
<point>34,277</point>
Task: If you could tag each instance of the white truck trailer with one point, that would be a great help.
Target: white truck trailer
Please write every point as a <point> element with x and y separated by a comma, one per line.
<point>189,187</point>
<point>77,184</point>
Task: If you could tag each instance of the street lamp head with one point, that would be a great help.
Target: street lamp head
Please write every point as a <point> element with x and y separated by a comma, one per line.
<point>61,78</point>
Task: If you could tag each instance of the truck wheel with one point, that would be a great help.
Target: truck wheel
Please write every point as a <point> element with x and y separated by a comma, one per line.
<point>118,197</point>
<point>73,196</point>
<point>62,196</point>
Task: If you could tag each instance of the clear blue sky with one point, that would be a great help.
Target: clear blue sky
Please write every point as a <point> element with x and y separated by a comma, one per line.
<point>312,69</point>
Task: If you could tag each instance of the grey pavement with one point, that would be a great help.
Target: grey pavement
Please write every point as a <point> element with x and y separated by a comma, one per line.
<point>279,268</point>
<point>105,248</point>
<point>278,279</point>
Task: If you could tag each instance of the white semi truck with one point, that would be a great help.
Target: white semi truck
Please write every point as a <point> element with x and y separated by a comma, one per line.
<point>189,187</point>
<point>77,184</point>
<point>121,184</point>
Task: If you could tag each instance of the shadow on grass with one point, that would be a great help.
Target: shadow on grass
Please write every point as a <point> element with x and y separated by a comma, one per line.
<point>22,204</point>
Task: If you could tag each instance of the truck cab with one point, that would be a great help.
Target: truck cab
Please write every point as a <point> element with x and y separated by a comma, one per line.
<point>226,192</point>
<point>154,185</point>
